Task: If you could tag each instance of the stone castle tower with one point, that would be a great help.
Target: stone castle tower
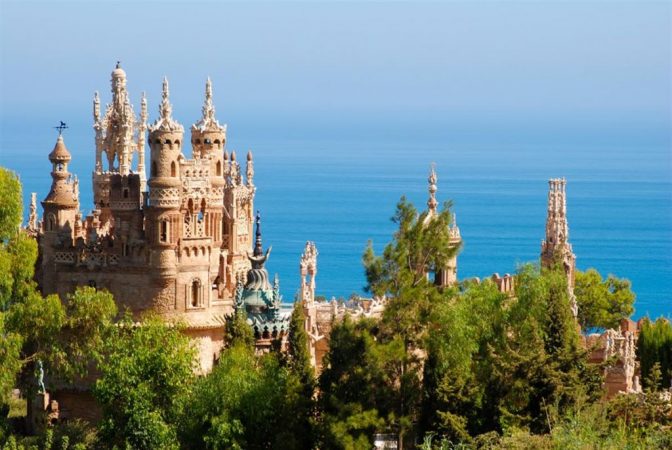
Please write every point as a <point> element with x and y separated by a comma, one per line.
<point>174,243</point>
<point>556,249</point>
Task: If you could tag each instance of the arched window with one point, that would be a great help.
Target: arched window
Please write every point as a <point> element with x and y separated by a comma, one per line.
<point>153,169</point>
<point>51,222</point>
<point>173,171</point>
<point>196,293</point>
<point>125,192</point>
<point>219,168</point>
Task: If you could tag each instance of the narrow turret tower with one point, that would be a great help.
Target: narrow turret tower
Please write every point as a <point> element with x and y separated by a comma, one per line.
<point>556,249</point>
<point>448,275</point>
<point>165,138</point>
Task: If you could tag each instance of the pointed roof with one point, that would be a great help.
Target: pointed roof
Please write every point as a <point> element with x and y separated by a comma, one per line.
<point>60,152</point>
<point>165,121</point>
<point>208,122</point>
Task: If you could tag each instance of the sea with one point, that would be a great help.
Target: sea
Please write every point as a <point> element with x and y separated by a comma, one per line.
<point>336,183</point>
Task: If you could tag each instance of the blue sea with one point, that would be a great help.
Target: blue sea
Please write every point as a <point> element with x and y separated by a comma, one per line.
<point>337,182</point>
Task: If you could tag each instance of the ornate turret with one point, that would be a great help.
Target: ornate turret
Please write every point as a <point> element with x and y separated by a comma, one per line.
<point>556,249</point>
<point>448,275</point>
<point>62,203</point>
<point>115,131</point>
<point>261,300</point>
<point>308,270</point>
<point>208,137</point>
<point>165,138</point>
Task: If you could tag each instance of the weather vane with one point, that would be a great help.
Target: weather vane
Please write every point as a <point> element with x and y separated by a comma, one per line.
<point>61,127</point>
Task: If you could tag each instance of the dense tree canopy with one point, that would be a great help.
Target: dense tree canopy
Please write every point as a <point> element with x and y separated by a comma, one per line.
<point>147,372</point>
<point>602,303</point>
<point>654,346</point>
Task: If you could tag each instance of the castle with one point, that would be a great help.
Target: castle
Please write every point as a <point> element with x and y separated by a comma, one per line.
<point>175,243</point>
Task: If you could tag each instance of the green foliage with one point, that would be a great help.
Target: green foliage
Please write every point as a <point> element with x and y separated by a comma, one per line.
<point>238,331</point>
<point>11,206</point>
<point>352,397</point>
<point>299,364</point>
<point>654,346</point>
<point>419,247</point>
<point>602,303</point>
<point>247,402</point>
<point>146,373</point>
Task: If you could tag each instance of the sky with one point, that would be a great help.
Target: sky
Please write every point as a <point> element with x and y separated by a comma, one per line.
<point>296,67</point>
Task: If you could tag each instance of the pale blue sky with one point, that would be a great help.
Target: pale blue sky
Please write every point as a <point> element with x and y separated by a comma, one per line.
<point>599,63</point>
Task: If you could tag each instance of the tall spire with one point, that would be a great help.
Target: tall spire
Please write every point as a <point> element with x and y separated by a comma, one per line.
<point>555,248</point>
<point>208,121</point>
<point>96,107</point>
<point>165,109</point>
<point>165,121</point>
<point>142,128</point>
<point>258,248</point>
<point>432,203</point>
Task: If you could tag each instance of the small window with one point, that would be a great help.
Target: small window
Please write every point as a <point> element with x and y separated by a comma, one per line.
<point>51,222</point>
<point>164,231</point>
<point>195,293</point>
<point>125,192</point>
<point>153,169</point>
<point>125,249</point>
<point>92,283</point>
<point>219,168</point>
<point>173,171</point>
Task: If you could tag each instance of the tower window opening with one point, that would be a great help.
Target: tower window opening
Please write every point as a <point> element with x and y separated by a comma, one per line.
<point>125,192</point>
<point>195,293</point>
<point>219,168</point>
<point>173,169</point>
<point>207,141</point>
<point>51,222</point>
<point>125,249</point>
<point>164,231</point>
<point>153,168</point>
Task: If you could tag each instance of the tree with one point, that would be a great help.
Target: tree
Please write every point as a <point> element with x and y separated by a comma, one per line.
<point>246,402</point>
<point>421,246</point>
<point>11,206</point>
<point>602,303</point>
<point>63,335</point>
<point>352,403</point>
<point>300,366</point>
<point>654,349</point>
<point>146,374</point>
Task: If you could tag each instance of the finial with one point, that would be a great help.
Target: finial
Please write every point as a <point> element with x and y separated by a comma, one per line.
<point>432,203</point>
<point>258,249</point>
<point>96,107</point>
<point>233,155</point>
<point>249,155</point>
<point>208,107</point>
<point>165,109</point>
